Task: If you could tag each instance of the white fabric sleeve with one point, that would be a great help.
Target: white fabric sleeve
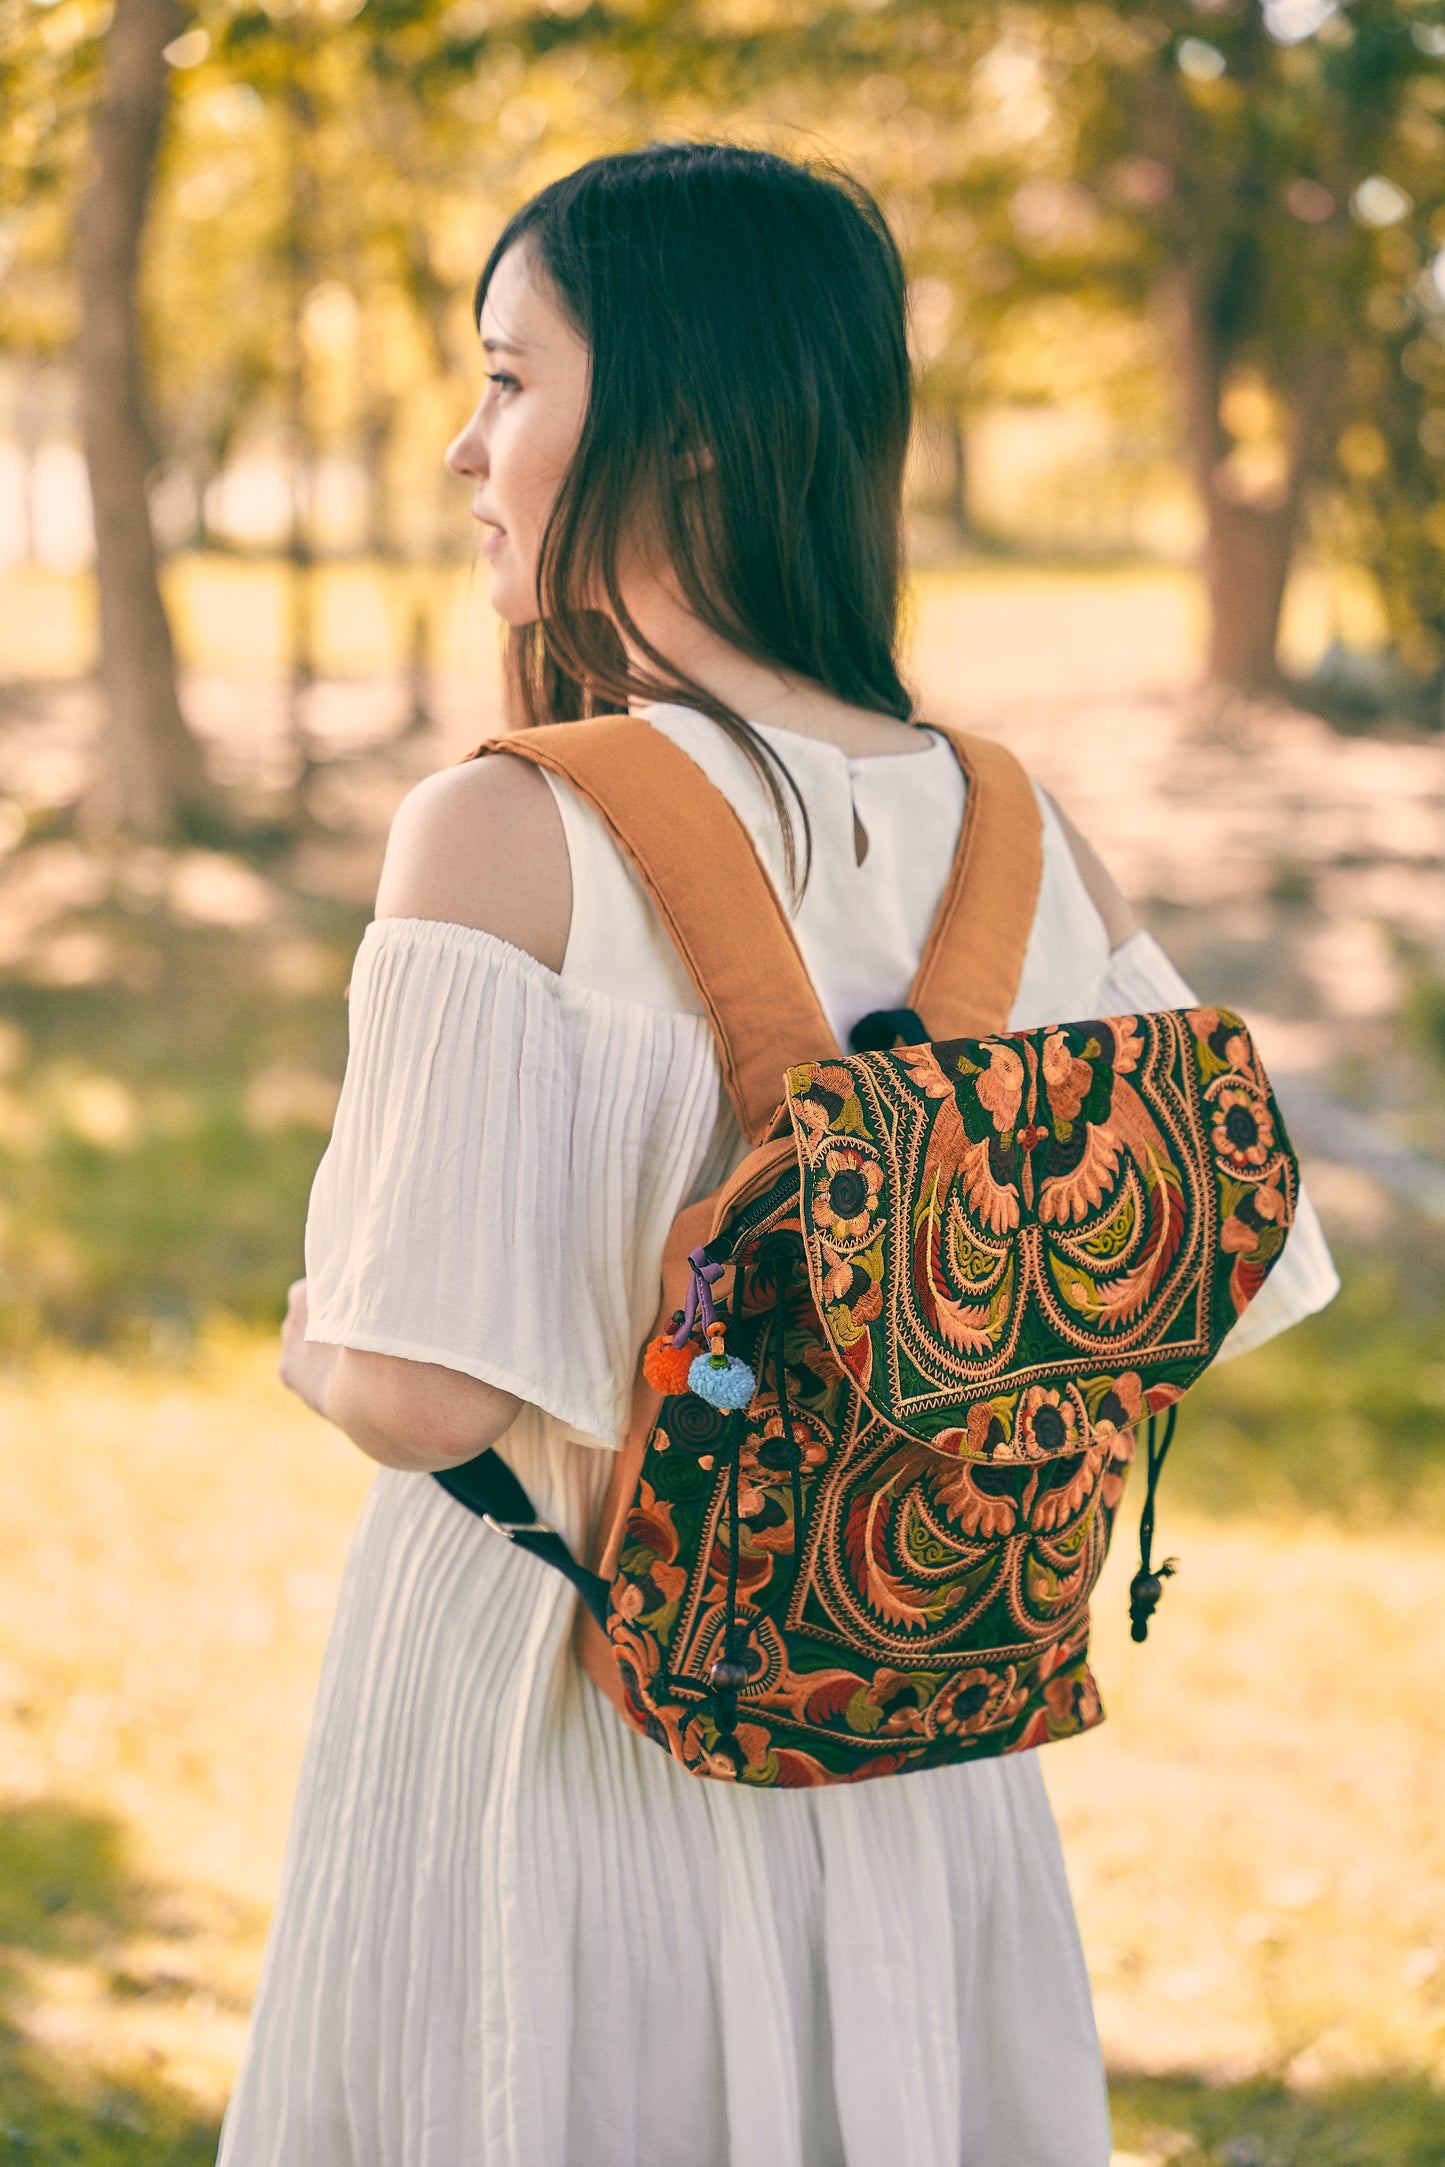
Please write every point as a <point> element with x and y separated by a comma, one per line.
<point>508,1156</point>
<point>1140,976</point>
<point>1068,945</point>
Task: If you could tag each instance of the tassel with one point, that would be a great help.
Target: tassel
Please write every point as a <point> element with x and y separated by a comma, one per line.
<point>722,1380</point>
<point>665,1365</point>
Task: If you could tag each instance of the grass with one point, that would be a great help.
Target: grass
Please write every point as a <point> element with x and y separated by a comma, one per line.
<point>1253,1837</point>
<point>67,1898</point>
<point>175,1540</point>
<point>1375,2122</point>
<point>159,1126</point>
<point>1343,1417</point>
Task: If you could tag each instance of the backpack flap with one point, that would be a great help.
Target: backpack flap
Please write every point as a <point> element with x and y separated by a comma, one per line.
<point>1020,1245</point>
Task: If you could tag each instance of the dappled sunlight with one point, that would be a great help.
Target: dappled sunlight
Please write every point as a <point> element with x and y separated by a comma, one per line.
<point>1252,1837</point>
<point>107,2009</point>
<point>177,1539</point>
<point>158,1660</point>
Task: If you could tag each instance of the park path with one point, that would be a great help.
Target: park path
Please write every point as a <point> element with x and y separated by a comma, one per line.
<point>1294,871</point>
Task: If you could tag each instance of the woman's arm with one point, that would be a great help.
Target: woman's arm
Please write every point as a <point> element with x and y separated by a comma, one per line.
<point>1119,921</point>
<point>482,845</point>
<point>413,1415</point>
<point>478,845</point>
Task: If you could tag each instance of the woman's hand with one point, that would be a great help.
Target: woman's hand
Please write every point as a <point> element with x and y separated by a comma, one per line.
<point>303,1366</point>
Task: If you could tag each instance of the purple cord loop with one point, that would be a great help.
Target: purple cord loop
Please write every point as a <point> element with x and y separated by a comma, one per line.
<point>699,1298</point>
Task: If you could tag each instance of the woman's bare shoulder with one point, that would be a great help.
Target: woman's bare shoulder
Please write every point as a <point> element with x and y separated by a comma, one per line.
<point>482,845</point>
<point>1104,891</point>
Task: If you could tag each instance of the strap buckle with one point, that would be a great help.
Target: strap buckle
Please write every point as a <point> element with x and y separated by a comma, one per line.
<point>511,1529</point>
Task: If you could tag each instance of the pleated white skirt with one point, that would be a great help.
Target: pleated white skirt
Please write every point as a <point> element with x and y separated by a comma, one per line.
<point>511,1933</point>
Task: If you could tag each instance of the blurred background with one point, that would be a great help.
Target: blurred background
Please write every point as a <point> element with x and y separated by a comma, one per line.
<point>1177,529</point>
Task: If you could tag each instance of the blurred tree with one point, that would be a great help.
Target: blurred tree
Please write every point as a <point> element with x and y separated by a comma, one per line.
<point>1235,196</point>
<point>152,769</point>
<point>1268,175</point>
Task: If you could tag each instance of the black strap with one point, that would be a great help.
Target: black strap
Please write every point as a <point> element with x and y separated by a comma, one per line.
<point>487,1487</point>
<point>886,1028</point>
<point>1147,1585</point>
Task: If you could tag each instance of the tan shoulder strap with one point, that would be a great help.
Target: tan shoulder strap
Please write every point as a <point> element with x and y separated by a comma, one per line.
<point>970,970</point>
<point>699,865</point>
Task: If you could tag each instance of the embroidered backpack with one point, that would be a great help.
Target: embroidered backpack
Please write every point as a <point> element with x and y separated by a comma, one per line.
<point>883,1426</point>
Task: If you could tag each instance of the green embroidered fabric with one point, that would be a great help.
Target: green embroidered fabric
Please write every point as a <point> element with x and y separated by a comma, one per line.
<point>989,1261</point>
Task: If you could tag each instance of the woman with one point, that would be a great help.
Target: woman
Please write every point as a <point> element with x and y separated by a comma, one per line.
<point>511,1931</point>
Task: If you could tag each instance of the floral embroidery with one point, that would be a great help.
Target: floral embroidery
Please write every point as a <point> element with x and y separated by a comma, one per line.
<point>1048,1421</point>
<point>1001,1087</point>
<point>1243,1133</point>
<point>994,1260</point>
<point>845,1199</point>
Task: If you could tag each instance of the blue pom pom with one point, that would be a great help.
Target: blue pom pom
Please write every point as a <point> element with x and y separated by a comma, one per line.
<point>728,1385</point>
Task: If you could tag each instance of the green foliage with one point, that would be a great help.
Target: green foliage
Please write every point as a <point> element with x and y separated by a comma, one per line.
<point>67,1894</point>
<point>1088,194</point>
<point>62,1880</point>
<point>1344,1415</point>
<point>1371,2122</point>
<point>159,1146</point>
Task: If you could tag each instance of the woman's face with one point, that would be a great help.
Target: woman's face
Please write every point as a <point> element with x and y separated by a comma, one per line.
<point>519,443</point>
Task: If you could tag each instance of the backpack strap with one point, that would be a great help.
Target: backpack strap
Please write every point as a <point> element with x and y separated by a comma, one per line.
<point>970,969</point>
<point>699,865</point>
<point>701,869</point>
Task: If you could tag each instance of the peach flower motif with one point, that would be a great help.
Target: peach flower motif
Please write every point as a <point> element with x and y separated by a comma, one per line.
<point>924,1072</point>
<point>869,1305</point>
<point>766,1455</point>
<point>1111,1488</point>
<point>845,1201</point>
<point>1270,1203</point>
<point>1128,1045</point>
<point>813,1116</point>
<point>1237,1237</point>
<point>1072,1700</point>
<point>1243,1133</point>
<point>1048,1422</point>
<point>975,1701</point>
<point>1120,1408</point>
<point>1057,1503</point>
<point>1067,1078</point>
<point>978,1497</point>
<point>1001,1086</point>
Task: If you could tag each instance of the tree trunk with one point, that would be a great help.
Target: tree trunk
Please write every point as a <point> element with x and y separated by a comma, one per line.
<point>301,273</point>
<point>1249,546</point>
<point>151,763</point>
<point>1247,555</point>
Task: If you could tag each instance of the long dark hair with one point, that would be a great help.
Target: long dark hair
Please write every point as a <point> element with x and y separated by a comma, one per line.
<point>751,313</point>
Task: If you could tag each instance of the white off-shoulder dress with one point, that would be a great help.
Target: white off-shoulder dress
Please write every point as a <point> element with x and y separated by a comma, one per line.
<point>512,1933</point>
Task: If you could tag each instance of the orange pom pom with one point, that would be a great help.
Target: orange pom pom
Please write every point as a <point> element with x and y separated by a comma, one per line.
<point>665,1367</point>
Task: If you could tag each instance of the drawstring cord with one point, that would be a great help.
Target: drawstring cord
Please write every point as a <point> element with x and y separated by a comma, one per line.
<point>698,1308</point>
<point>729,1674</point>
<point>795,1457</point>
<point>1147,1585</point>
